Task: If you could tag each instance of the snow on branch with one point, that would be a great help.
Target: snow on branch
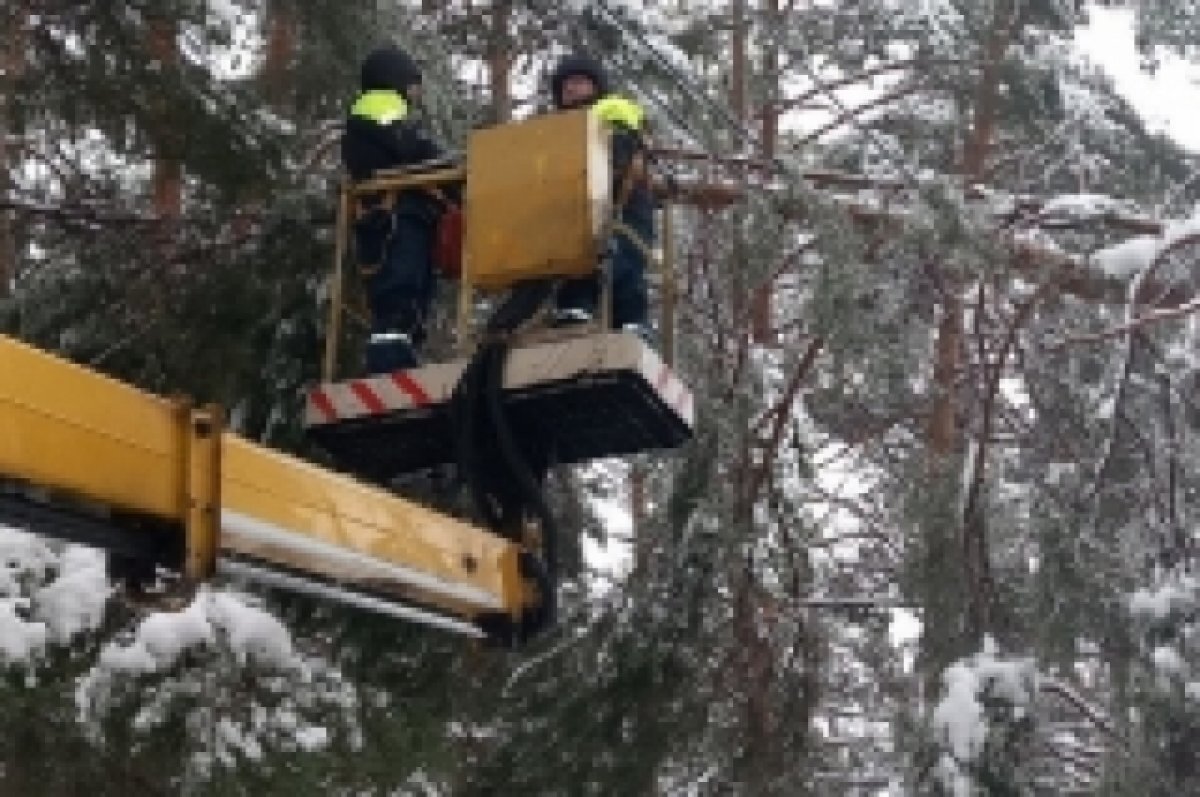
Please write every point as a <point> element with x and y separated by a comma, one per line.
<point>980,692</point>
<point>960,715</point>
<point>46,597</point>
<point>1177,594</point>
<point>1137,254</point>
<point>1022,223</point>
<point>236,674</point>
<point>236,669</point>
<point>1169,612</point>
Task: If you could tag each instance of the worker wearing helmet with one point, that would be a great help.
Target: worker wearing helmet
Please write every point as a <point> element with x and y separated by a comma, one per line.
<point>580,81</point>
<point>394,246</point>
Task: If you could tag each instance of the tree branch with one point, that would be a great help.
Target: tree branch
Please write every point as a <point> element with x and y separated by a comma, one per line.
<point>783,413</point>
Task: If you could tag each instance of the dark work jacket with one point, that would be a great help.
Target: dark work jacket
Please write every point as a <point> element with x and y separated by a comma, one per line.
<point>386,140</point>
<point>639,207</point>
<point>625,117</point>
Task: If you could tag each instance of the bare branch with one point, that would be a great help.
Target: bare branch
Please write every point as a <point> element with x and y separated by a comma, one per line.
<point>1094,715</point>
<point>783,412</point>
<point>1131,326</point>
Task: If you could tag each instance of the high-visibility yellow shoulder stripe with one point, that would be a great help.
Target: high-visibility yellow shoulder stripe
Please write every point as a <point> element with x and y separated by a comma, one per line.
<point>380,106</point>
<point>619,110</point>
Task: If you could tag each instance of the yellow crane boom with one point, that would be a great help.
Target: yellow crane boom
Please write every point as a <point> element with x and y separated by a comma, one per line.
<point>166,477</point>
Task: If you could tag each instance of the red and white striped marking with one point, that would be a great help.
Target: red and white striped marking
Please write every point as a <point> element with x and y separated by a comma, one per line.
<point>336,401</point>
<point>674,392</point>
<point>434,384</point>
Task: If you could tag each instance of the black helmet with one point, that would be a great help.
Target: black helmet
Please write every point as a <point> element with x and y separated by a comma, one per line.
<point>389,68</point>
<point>577,64</point>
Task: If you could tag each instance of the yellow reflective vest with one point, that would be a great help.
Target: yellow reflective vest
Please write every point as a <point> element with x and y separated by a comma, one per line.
<point>619,111</point>
<point>380,106</point>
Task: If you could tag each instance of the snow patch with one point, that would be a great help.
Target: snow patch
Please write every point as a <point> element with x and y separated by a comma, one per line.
<point>24,560</point>
<point>159,641</point>
<point>253,634</point>
<point>1168,661</point>
<point>1175,595</point>
<point>1128,257</point>
<point>1077,207</point>
<point>74,602</point>
<point>312,738</point>
<point>960,718</point>
<point>20,640</point>
<point>1135,255</point>
<point>231,739</point>
<point>47,594</point>
<point>200,659</point>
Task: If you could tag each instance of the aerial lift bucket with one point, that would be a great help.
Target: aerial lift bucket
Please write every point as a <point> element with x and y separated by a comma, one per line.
<point>538,207</point>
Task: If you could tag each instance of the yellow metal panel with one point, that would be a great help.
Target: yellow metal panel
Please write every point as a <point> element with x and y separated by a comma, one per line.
<point>538,199</point>
<point>321,507</point>
<point>203,493</point>
<point>72,429</point>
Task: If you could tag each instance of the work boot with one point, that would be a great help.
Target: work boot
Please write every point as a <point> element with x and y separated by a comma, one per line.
<point>641,331</point>
<point>570,316</point>
<point>388,352</point>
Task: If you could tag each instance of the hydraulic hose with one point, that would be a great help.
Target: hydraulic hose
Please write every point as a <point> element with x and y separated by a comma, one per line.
<point>482,428</point>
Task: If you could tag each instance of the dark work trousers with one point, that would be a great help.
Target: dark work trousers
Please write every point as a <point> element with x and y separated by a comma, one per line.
<point>628,265</point>
<point>400,292</point>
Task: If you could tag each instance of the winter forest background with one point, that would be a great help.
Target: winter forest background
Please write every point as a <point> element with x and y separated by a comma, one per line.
<point>937,531</point>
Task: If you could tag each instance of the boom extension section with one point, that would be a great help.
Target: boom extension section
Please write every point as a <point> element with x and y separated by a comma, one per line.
<point>160,483</point>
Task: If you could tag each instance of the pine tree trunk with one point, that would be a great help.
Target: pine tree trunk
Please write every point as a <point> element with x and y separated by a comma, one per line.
<point>943,422</point>
<point>282,34</point>
<point>737,74</point>
<point>282,30</point>
<point>167,192</point>
<point>761,312</point>
<point>12,61</point>
<point>755,659</point>
<point>500,61</point>
<point>637,510</point>
<point>943,428</point>
<point>770,107</point>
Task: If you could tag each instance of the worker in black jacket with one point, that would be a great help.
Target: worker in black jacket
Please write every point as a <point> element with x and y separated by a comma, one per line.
<point>394,246</point>
<point>580,81</point>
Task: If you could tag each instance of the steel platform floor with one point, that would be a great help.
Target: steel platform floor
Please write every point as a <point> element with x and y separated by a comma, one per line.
<point>581,398</point>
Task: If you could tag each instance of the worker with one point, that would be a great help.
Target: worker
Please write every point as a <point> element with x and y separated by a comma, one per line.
<point>580,81</point>
<point>394,245</point>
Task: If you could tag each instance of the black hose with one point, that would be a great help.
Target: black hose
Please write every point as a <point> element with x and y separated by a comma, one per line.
<point>465,414</point>
<point>482,427</point>
<point>527,483</point>
<point>520,305</point>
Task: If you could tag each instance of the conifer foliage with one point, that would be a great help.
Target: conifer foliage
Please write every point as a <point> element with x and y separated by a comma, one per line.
<point>936,293</point>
